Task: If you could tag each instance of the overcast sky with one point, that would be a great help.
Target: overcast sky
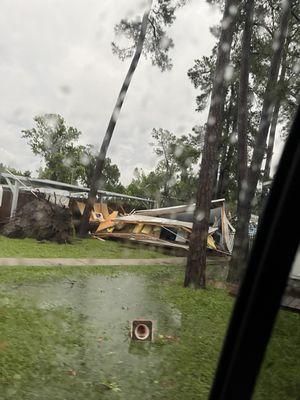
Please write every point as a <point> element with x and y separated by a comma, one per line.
<point>55,57</point>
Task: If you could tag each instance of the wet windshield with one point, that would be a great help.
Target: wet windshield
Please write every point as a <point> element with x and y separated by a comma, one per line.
<point>139,142</point>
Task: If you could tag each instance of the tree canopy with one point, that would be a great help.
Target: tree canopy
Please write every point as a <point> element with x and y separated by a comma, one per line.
<point>65,160</point>
<point>56,143</point>
<point>173,180</point>
<point>157,43</point>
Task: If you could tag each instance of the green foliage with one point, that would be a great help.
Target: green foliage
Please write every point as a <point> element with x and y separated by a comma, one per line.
<point>169,183</point>
<point>55,142</point>
<point>110,175</point>
<point>5,168</point>
<point>65,160</point>
<point>174,179</point>
<point>145,185</point>
<point>157,43</point>
<point>202,74</point>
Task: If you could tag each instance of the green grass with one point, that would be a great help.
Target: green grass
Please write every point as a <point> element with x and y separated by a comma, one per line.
<point>206,316</point>
<point>23,275</point>
<point>85,248</point>
<point>41,346</point>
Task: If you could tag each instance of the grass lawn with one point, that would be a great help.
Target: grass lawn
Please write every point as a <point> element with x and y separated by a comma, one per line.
<point>85,248</point>
<point>64,335</point>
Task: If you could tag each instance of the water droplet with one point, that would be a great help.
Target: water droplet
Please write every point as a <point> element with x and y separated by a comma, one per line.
<point>228,72</point>
<point>211,121</point>
<point>296,68</point>
<point>242,196</point>
<point>244,184</point>
<point>233,10</point>
<point>284,4</point>
<point>84,159</point>
<point>212,138</point>
<point>178,151</point>
<point>225,23</point>
<point>65,89</point>
<point>225,47</point>
<point>275,45</point>
<point>233,138</point>
<point>199,216</point>
<point>67,162</point>
<point>215,100</point>
<point>165,42</point>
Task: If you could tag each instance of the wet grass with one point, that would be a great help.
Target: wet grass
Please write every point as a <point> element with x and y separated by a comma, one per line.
<point>64,335</point>
<point>207,315</point>
<point>85,248</point>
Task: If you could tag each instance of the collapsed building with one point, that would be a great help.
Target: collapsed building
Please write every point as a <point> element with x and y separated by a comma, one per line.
<point>43,209</point>
<point>169,227</point>
<point>115,216</point>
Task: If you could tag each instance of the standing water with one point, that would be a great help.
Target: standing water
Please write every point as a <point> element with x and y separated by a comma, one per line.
<point>81,343</point>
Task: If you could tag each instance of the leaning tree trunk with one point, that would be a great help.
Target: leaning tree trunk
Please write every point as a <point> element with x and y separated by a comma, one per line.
<point>95,185</point>
<point>196,263</point>
<point>240,247</point>
<point>239,257</point>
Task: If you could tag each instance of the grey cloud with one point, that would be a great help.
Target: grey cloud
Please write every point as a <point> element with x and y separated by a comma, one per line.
<point>55,57</point>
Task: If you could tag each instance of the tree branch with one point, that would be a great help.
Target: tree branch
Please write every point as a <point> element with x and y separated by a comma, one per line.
<point>153,26</point>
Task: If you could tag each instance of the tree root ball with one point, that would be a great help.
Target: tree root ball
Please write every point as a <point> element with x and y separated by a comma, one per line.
<point>41,220</point>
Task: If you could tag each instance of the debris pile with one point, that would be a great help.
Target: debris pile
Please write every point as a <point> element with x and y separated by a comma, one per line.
<point>100,214</point>
<point>166,227</point>
<point>223,235</point>
<point>169,228</point>
<point>154,231</point>
<point>42,220</point>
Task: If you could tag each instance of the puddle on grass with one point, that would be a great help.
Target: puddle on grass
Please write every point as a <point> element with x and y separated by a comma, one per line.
<point>102,361</point>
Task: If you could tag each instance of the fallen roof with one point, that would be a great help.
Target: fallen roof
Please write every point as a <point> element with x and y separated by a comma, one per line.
<point>142,238</point>
<point>36,182</point>
<point>174,209</point>
<point>146,219</point>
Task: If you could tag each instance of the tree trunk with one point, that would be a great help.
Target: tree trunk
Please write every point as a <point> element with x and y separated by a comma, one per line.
<point>240,247</point>
<point>268,104</point>
<point>246,196</point>
<point>168,176</point>
<point>217,173</point>
<point>95,185</point>
<point>224,148</point>
<point>225,169</point>
<point>222,170</point>
<point>225,173</point>
<point>271,141</point>
<point>196,263</point>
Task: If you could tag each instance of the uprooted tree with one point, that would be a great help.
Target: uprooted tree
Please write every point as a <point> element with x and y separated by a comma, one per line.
<point>96,181</point>
<point>42,220</point>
